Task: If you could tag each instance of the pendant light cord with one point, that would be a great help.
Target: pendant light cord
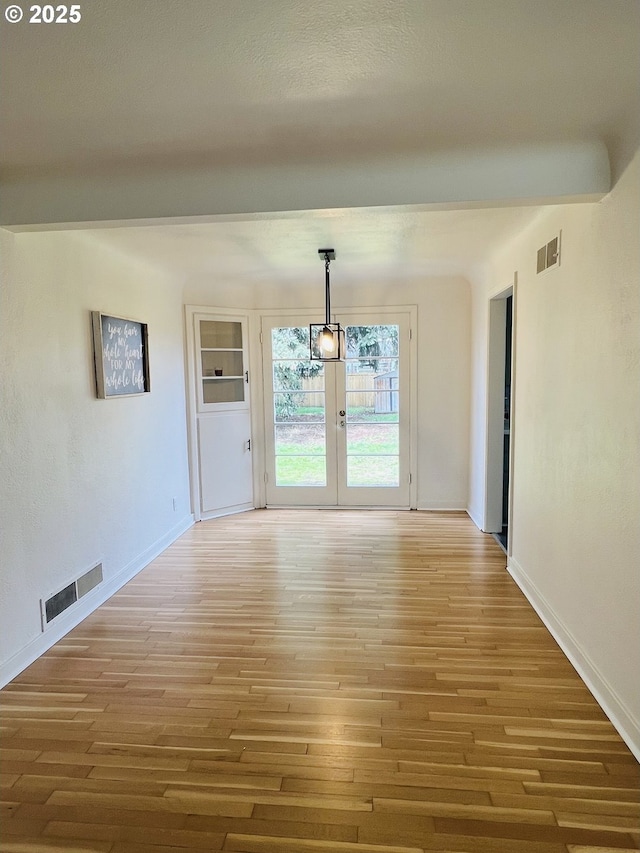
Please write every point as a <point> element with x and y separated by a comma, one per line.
<point>327,295</point>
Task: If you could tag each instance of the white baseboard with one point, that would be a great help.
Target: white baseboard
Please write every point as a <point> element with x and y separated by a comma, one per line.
<point>87,604</point>
<point>442,508</point>
<point>474,517</point>
<point>228,510</point>
<point>622,718</point>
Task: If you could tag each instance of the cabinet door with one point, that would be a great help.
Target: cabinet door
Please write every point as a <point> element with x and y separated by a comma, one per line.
<point>221,371</point>
<point>225,462</point>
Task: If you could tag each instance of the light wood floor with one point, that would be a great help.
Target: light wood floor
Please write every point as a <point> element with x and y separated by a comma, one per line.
<point>315,682</point>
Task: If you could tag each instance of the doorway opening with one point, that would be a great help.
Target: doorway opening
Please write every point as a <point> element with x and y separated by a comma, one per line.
<point>338,433</point>
<point>500,419</point>
<point>503,534</point>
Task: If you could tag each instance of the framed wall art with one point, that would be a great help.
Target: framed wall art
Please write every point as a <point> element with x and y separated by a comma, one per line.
<point>121,354</point>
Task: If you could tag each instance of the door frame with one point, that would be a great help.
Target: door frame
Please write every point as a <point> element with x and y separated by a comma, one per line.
<point>494,447</point>
<point>373,315</point>
<point>191,312</point>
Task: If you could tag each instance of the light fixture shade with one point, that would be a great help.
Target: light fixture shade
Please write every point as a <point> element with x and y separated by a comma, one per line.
<point>327,342</point>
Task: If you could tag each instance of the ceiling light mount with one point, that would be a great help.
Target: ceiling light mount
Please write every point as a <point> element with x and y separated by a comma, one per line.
<point>326,339</point>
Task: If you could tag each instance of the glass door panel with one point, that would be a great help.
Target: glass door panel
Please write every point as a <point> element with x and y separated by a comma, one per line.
<point>372,395</point>
<point>300,437</point>
<point>337,433</point>
<point>299,472</point>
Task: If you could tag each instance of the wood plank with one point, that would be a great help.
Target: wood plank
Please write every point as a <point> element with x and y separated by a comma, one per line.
<point>264,844</point>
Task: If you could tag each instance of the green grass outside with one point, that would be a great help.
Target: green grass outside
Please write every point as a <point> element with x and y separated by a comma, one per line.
<point>356,415</point>
<point>372,454</point>
<point>354,448</point>
<point>361,471</point>
<point>300,471</point>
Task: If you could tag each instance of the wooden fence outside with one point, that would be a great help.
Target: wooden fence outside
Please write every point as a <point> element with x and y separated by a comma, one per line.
<point>382,398</point>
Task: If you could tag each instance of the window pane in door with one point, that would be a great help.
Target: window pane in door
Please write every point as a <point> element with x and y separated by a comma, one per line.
<point>372,341</point>
<point>381,471</point>
<point>373,439</point>
<point>365,374</point>
<point>298,410</point>
<point>298,407</point>
<point>300,439</point>
<point>301,471</point>
<point>373,406</point>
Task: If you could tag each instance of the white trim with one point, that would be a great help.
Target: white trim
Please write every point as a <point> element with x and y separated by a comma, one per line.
<point>494,398</point>
<point>407,313</point>
<point>413,404</point>
<point>494,423</point>
<point>228,510</point>
<point>256,395</point>
<point>348,309</point>
<point>436,507</point>
<point>192,408</point>
<point>614,707</point>
<point>513,419</point>
<point>473,515</point>
<point>191,315</point>
<point>72,617</point>
<point>337,507</point>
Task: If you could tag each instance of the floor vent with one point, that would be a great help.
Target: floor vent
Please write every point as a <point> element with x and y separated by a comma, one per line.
<point>60,601</point>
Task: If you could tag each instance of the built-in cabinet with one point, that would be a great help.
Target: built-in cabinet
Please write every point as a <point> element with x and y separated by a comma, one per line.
<point>221,423</point>
<point>223,374</point>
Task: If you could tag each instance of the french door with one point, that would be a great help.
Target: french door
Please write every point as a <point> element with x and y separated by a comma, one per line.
<point>338,433</point>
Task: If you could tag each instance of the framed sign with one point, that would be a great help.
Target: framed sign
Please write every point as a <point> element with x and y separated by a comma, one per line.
<point>121,356</point>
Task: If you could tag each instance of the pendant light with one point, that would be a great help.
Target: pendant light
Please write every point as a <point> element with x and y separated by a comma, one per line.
<point>326,339</point>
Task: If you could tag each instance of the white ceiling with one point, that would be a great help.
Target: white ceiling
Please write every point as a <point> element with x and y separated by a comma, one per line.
<point>170,84</point>
<point>370,243</point>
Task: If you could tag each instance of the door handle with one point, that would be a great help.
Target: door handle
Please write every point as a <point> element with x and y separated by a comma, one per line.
<point>342,423</point>
<point>342,413</point>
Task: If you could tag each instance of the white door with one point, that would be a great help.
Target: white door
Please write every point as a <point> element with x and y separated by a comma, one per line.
<point>220,422</point>
<point>224,444</point>
<point>337,433</point>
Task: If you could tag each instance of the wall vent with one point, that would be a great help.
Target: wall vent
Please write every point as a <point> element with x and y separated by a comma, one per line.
<point>64,598</point>
<point>89,580</point>
<point>549,255</point>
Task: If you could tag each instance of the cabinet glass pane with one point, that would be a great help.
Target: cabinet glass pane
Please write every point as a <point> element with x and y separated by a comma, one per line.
<point>221,363</point>
<point>220,390</point>
<point>222,334</point>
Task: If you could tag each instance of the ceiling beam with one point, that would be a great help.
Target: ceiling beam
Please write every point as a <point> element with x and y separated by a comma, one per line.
<point>540,174</point>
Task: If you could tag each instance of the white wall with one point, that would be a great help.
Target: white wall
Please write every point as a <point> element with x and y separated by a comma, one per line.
<point>443,379</point>
<point>81,480</point>
<point>576,490</point>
